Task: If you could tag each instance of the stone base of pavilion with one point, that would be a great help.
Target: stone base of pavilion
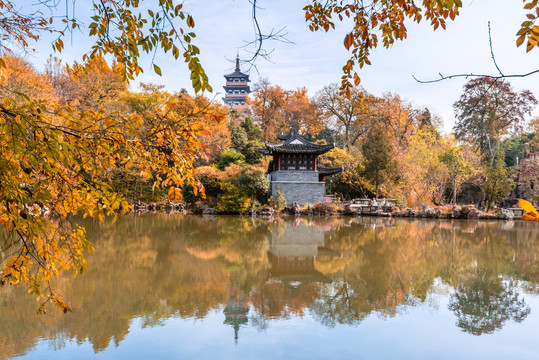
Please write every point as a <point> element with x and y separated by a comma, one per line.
<point>302,187</point>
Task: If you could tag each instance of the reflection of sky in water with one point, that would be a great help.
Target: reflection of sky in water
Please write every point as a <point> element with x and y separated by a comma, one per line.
<point>423,332</point>
<point>252,279</point>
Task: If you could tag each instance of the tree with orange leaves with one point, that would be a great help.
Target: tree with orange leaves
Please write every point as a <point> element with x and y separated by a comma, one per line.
<point>56,156</point>
<point>276,110</point>
<point>352,116</point>
<point>267,105</point>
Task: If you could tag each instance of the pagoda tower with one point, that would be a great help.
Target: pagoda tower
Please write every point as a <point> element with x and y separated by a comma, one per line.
<point>237,87</point>
<point>294,170</point>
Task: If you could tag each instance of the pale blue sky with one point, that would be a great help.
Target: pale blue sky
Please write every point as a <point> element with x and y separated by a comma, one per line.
<point>316,59</point>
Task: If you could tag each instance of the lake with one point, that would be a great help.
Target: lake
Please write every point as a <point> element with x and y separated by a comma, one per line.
<point>169,286</point>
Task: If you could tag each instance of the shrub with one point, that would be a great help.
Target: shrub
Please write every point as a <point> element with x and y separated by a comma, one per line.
<point>230,156</point>
<point>135,187</point>
<point>254,183</point>
<point>232,199</point>
<point>324,208</point>
<point>232,173</point>
<point>188,195</point>
<point>280,201</point>
<point>211,178</point>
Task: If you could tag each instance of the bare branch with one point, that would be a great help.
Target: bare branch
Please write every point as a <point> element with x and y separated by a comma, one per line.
<point>260,38</point>
<point>472,75</point>
<point>492,51</point>
<point>475,75</point>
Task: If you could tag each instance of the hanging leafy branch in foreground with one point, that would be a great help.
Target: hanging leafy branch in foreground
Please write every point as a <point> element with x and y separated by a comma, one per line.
<point>383,21</point>
<point>373,22</point>
<point>54,161</point>
<point>124,29</point>
<point>55,156</point>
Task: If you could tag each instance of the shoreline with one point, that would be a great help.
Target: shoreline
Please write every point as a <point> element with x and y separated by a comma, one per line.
<point>457,212</point>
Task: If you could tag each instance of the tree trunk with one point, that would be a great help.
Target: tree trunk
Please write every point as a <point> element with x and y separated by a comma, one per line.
<point>455,190</point>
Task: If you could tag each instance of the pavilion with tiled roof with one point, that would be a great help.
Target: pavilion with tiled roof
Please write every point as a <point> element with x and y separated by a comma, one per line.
<point>294,170</point>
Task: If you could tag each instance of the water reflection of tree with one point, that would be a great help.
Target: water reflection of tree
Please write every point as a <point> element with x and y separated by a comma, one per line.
<point>396,264</point>
<point>147,267</point>
<point>337,304</point>
<point>185,266</point>
<point>484,302</point>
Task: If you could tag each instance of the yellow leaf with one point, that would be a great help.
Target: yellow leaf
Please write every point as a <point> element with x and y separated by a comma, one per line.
<point>529,216</point>
<point>527,206</point>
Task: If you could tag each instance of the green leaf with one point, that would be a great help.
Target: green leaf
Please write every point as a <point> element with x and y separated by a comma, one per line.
<point>157,69</point>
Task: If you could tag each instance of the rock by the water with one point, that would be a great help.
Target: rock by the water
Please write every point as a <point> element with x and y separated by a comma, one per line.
<point>410,212</point>
<point>209,211</point>
<point>251,212</point>
<point>267,211</point>
<point>296,210</point>
<point>473,213</point>
<point>507,214</point>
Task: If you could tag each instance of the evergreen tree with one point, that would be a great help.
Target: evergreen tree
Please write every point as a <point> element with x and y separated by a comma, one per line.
<point>379,158</point>
<point>499,182</point>
<point>252,131</point>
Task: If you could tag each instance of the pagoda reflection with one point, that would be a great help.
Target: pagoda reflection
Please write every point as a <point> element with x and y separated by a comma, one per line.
<point>236,311</point>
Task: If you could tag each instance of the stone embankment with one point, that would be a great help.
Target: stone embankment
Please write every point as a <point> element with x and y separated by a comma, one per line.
<point>323,209</point>
<point>464,212</point>
<point>169,207</point>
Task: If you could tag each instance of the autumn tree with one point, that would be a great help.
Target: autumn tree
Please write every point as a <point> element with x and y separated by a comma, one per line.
<point>400,118</point>
<point>423,175</point>
<point>267,105</point>
<point>457,167</point>
<point>216,138</point>
<point>487,110</point>
<point>19,79</point>
<point>96,85</point>
<point>352,116</point>
<point>54,157</point>
<point>300,112</point>
<point>351,182</point>
<point>276,110</point>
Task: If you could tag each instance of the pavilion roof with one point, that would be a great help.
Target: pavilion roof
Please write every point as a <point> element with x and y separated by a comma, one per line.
<point>294,143</point>
<point>237,74</point>
<point>326,171</point>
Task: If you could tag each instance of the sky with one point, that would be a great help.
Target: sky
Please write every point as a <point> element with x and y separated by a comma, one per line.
<point>314,60</point>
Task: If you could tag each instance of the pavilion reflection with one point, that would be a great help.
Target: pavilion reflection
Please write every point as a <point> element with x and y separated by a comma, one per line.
<point>293,253</point>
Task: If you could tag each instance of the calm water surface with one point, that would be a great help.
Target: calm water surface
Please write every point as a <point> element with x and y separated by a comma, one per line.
<point>172,287</point>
